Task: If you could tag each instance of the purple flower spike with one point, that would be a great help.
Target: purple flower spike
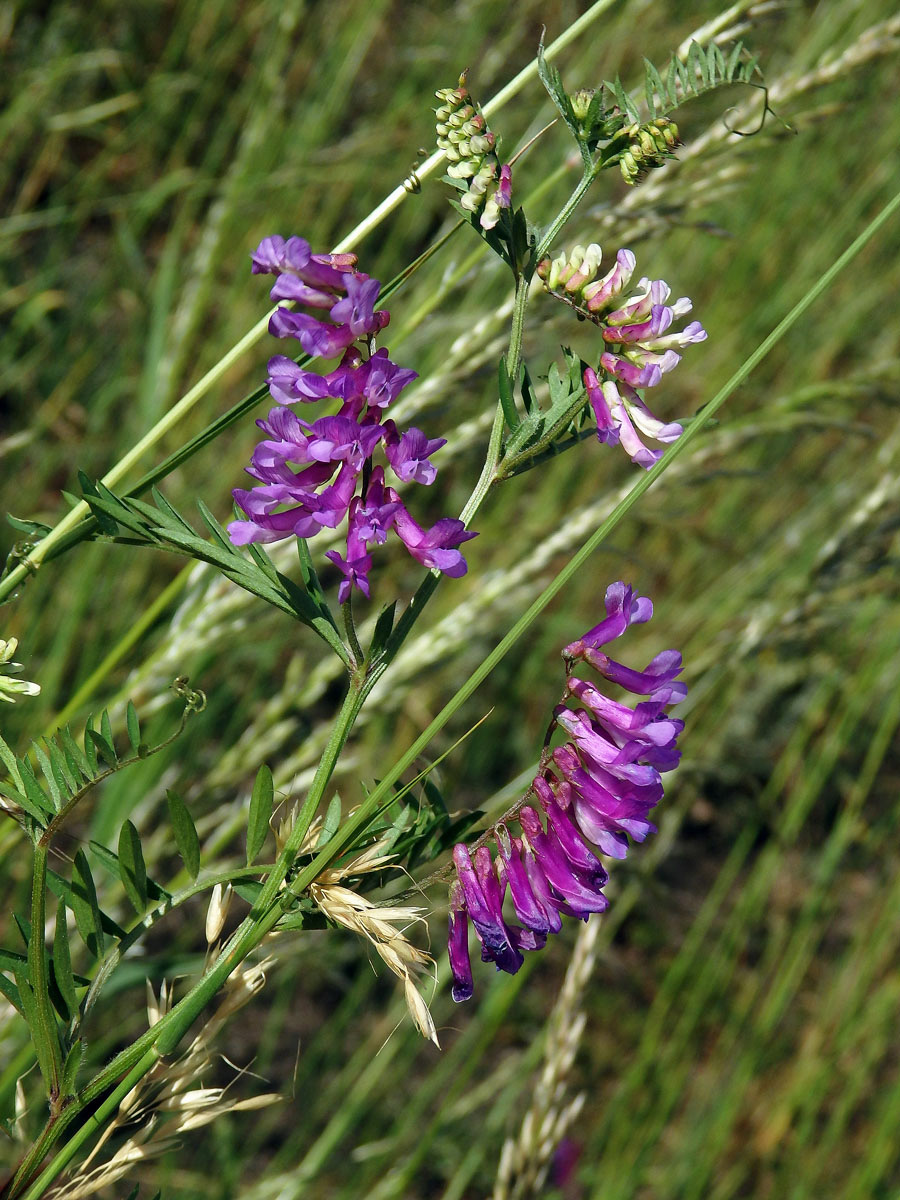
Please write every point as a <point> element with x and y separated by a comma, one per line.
<point>458,945</point>
<point>409,453</point>
<point>337,476</point>
<point>596,790</point>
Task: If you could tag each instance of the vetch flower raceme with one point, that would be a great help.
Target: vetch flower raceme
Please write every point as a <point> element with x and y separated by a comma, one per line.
<point>594,790</point>
<point>639,350</point>
<point>312,474</point>
<point>469,147</point>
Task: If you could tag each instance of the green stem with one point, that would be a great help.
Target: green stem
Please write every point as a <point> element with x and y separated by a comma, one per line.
<point>350,629</point>
<point>552,232</point>
<point>46,1034</point>
<point>89,1128</point>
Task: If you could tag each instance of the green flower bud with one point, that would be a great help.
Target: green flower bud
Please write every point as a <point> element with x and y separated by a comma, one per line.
<point>581,102</point>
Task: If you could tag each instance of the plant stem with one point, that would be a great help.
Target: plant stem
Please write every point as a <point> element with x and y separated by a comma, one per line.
<point>45,1036</point>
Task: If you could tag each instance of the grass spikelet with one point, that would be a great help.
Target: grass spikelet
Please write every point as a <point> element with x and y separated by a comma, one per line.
<point>525,1159</point>
<point>377,925</point>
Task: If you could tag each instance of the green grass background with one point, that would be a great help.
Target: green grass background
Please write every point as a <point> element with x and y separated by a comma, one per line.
<point>741,1020</point>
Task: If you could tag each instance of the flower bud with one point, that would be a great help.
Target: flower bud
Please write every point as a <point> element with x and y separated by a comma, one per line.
<point>581,102</point>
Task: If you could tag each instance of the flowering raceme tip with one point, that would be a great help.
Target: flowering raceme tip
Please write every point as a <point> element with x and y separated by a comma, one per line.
<point>313,474</point>
<point>469,147</point>
<point>639,350</point>
<point>594,790</point>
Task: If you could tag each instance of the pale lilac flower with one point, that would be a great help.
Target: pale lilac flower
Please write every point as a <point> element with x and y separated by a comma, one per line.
<point>639,349</point>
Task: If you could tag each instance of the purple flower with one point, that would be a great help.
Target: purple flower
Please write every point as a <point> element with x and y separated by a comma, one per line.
<point>289,383</point>
<point>484,902</point>
<point>541,918</point>
<point>332,504</point>
<point>357,308</point>
<point>316,337</point>
<point>339,438</point>
<point>356,566</point>
<point>383,380</point>
<point>263,523</point>
<point>623,608</point>
<point>596,790</point>
<point>408,453</point>
<point>375,515</point>
<point>435,547</point>
<point>289,287</point>
<point>619,409</point>
<point>274,256</point>
<point>574,890</point>
<point>458,945</point>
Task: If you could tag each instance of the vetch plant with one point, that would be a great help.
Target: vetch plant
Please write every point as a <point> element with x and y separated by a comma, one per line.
<point>334,462</point>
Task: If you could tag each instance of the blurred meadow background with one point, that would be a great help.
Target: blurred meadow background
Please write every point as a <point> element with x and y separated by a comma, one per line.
<point>729,1028</point>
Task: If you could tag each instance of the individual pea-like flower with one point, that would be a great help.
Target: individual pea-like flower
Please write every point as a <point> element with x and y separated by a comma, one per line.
<point>470,149</point>
<point>594,792</point>
<point>622,416</point>
<point>10,688</point>
<point>639,350</point>
<point>311,475</point>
